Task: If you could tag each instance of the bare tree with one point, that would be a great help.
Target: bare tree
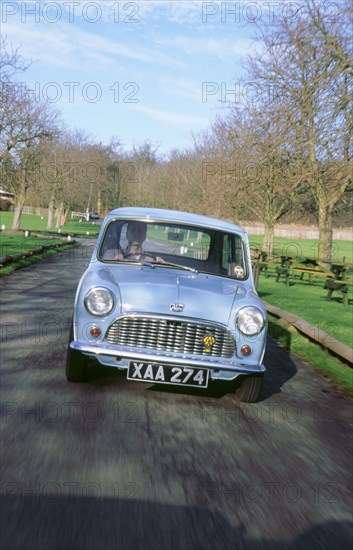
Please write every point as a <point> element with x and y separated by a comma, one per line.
<point>39,123</point>
<point>307,64</point>
<point>24,122</point>
<point>12,132</point>
<point>268,168</point>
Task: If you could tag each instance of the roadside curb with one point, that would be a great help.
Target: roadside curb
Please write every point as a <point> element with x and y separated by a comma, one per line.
<point>313,333</point>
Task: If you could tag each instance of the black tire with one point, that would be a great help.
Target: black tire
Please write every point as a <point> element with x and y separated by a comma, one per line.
<point>76,363</point>
<point>249,389</point>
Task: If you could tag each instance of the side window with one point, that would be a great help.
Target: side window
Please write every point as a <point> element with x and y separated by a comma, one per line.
<point>232,257</point>
<point>226,254</point>
<point>111,240</point>
<point>123,237</point>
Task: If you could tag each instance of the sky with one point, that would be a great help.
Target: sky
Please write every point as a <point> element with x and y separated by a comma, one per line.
<point>136,71</point>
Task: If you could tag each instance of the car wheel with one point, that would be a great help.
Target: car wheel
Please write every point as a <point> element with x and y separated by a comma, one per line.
<point>76,363</point>
<point>249,389</point>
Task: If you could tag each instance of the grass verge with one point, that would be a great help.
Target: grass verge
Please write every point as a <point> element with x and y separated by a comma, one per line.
<point>309,302</point>
<point>313,354</point>
<point>18,244</point>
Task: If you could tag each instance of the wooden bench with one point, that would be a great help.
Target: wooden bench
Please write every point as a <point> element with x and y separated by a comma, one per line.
<point>285,271</point>
<point>341,286</point>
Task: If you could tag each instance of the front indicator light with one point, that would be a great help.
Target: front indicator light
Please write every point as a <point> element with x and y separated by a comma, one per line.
<point>246,350</point>
<point>95,331</point>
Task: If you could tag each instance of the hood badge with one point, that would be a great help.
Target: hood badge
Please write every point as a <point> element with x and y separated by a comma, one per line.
<point>208,342</point>
<point>176,307</point>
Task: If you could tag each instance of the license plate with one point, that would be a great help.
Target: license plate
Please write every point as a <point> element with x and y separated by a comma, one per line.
<point>162,374</point>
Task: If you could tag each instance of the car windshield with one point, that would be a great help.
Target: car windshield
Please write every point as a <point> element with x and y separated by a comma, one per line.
<point>174,245</point>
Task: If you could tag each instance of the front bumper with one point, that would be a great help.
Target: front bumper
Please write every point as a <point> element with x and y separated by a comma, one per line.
<point>119,357</point>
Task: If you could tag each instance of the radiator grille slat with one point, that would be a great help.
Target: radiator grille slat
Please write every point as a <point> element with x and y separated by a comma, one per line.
<point>171,336</point>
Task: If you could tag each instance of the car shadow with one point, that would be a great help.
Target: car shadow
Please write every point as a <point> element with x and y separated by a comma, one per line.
<point>280,367</point>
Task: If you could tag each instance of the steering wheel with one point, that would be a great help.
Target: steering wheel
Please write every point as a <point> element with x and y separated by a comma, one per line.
<point>137,257</point>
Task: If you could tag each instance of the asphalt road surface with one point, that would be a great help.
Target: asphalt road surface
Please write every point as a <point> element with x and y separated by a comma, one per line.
<point>111,464</point>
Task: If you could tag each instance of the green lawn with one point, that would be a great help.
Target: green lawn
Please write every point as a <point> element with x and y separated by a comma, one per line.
<point>37,223</point>
<point>309,303</point>
<point>307,248</point>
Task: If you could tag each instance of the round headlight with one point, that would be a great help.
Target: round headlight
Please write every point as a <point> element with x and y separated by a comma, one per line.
<point>99,301</point>
<point>250,321</point>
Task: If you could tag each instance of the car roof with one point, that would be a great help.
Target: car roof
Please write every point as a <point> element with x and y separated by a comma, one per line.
<point>161,214</point>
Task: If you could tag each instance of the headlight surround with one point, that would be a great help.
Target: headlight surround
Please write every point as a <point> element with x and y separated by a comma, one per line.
<point>250,321</point>
<point>99,301</point>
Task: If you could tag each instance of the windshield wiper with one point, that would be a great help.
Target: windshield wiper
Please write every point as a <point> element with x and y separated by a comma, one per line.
<point>170,264</point>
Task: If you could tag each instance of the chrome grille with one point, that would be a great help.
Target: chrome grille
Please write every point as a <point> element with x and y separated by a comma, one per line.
<point>170,336</point>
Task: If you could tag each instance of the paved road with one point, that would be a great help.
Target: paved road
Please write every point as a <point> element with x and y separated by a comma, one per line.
<point>115,465</point>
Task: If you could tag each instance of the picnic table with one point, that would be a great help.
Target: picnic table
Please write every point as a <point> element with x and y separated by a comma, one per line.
<point>261,260</point>
<point>338,277</point>
<point>311,267</point>
<point>341,282</point>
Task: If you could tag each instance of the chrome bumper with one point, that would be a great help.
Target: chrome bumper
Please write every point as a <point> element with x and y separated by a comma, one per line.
<point>119,357</point>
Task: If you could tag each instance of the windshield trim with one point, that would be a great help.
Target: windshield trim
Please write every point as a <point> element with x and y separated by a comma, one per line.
<point>211,231</point>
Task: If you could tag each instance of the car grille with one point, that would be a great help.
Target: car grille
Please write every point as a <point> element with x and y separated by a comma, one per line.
<point>171,336</point>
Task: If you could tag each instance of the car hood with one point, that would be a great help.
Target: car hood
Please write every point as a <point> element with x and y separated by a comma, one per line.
<point>168,291</point>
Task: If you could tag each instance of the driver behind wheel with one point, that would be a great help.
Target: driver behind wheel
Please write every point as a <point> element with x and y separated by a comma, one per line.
<point>133,251</point>
<point>136,235</point>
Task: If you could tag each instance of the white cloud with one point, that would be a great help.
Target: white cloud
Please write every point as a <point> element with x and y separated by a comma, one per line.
<point>124,13</point>
<point>181,87</point>
<point>224,48</point>
<point>173,118</point>
<point>71,47</point>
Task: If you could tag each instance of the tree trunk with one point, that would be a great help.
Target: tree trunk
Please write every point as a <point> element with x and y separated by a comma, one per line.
<point>64,216</point>
<point>99,202</point>
<point>18,211</point>
<point>51,211</point>
<point>325,234</point>
<point>58,215</point>
<point>267,243</point>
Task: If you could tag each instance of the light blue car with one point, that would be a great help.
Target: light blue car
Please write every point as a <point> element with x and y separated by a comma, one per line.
<point>169,298</point>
